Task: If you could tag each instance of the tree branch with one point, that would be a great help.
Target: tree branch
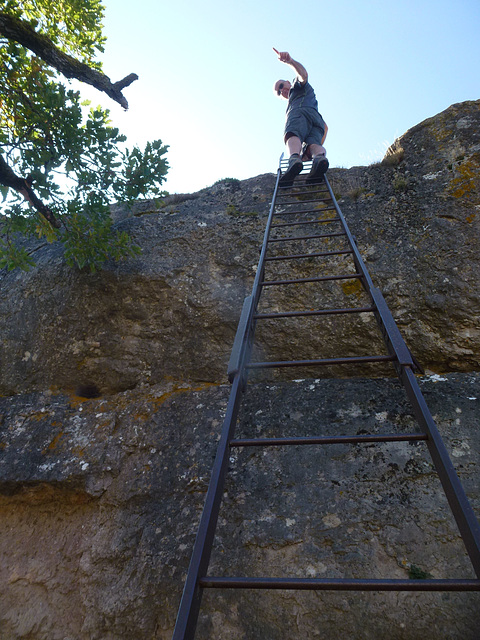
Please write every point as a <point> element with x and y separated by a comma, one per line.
<point>21,32</point>
<point>9,179</point>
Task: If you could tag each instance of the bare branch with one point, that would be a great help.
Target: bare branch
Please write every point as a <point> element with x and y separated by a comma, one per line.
<point>9,179</point>
<point>21,32</point>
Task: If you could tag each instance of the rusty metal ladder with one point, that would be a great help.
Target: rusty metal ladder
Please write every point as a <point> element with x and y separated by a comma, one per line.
<point>289,204</point>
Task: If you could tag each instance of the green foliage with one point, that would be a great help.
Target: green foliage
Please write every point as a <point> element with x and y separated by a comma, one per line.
<point>142,169</point>
<point>76,162</point>
<point>415,573</point>
<point>90,241</point>
<point>12,256</point>
<point>74,26</point>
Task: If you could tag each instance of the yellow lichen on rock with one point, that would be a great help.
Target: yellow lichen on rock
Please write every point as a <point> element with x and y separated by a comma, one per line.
<point>465,182</point>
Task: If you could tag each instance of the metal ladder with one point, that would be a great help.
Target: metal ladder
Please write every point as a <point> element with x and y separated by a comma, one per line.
<point>323,212</point>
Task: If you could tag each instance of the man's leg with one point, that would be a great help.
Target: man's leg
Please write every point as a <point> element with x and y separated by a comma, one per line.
<point>317,150</point>
<point>295,164</point>
<point>319,164</point>
<point>294,145</point>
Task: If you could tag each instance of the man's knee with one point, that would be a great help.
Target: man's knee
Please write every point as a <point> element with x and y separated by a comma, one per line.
<point>288,135</point>
<point>316,150</point>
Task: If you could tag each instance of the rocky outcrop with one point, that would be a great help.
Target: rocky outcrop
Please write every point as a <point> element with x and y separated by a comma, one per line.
<point>100,501</point>
<point>416,217</point>
<point>171,314</point>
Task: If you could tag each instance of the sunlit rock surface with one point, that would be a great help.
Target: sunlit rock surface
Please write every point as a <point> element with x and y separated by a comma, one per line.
<point>172,313</point>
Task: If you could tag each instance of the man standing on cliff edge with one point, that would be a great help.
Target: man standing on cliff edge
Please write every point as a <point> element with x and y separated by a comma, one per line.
<point>303,125</point>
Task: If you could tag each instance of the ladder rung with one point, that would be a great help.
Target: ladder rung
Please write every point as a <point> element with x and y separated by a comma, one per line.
<point>295,194</point>
<point>324,235</point>
<point>317,201</point>
<point>338,584</point>
<point>348,276</point>
<point>321,362</point>
<point>280,442</point>
<point>292,224</point>
<point>289,213</point>
<point>303,183</point>
<point>300,184</point>
<point>321,254</point>
<point>318,312</point>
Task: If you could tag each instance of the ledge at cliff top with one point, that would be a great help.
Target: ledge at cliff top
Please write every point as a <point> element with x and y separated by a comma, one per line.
<point>172,313</point>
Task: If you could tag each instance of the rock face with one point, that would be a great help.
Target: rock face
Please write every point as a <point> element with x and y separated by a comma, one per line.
<point>417,223</point>
<point>172,313</point>
<point>100,501</point>
<point>112,396</point>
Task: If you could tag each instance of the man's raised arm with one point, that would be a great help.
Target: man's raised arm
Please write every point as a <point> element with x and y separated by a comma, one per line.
<point>300,70</point>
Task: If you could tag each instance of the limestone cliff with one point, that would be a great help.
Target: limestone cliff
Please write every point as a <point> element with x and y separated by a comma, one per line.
<point>100,501</point>
<point>100,497</point>
<point>173,312</point>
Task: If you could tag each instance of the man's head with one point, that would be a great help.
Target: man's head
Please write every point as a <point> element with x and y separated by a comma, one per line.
<point>282,88</point>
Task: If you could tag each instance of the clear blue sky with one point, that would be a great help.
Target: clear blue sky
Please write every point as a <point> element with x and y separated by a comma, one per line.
<point>207,70</point>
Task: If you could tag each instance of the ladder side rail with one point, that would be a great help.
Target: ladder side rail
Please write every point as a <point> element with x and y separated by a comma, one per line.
<point>395,343</point>
<point>192,593</point>
<point>463,513</point>
<point>391,333</point>
<point>256,289</point>
<point>236,356</point>
<point>246,328</point>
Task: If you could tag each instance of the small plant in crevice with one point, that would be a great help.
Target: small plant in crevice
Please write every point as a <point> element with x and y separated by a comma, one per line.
<point>228,182</point>
<point>176,198</point>
<point>393,158</point>
<point>355,193</point>
<point>415,573</point>
<point>232,210</point>
<point>350,187</point>
<point>400,183</point>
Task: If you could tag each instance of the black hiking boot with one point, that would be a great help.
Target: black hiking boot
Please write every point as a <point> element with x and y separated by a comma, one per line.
<point>295,165</point>
<point>318,170</point>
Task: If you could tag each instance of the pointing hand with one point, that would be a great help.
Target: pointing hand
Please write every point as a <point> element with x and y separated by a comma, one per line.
<point>283,56</point>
